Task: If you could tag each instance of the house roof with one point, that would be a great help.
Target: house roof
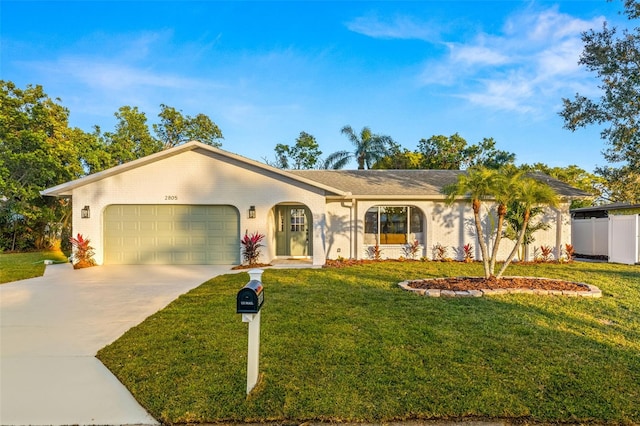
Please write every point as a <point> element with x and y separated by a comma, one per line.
<point>387,184</point>
<point>425,183</point>
<point>68,187</point>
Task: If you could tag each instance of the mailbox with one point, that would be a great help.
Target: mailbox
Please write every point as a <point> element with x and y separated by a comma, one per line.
<point>250,298</point>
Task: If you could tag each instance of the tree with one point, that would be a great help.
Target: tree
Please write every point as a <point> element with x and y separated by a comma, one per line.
<point>529,193</point>
<point>399,158</point>
<point>615,59</point>
<point>453,153</point>
<point>37,150</point>
<point>93,147</point>
<point>131,138</point>
<point>305,154</point>
<point>485,154</point>
<point>442,153</point>
<point>515,223</point>
<point>479,185</point>
<point>175,129</point>
<point>369,148</point>
<point>576,177</point>
<point>503,187</point>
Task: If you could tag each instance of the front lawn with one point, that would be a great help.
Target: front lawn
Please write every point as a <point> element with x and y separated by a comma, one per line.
<point>348,345</point>
<point>20,266</point>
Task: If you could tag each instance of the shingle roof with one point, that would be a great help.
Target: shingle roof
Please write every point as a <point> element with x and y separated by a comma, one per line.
<point>408,182</point>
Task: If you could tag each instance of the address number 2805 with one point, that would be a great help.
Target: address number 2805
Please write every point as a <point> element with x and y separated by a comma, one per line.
<point>171,198</point>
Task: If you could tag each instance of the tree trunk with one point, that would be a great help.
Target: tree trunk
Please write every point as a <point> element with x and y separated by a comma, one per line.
<point>481,242</point>
<point>525,223</point>
<point>502,211</point>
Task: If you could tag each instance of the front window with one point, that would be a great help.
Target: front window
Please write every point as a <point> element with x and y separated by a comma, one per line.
<point>393,225</point>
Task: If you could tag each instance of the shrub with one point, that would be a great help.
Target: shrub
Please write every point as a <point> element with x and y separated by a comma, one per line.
<point>569,251</point>
<point>82,252</point>
<point>546,253</point>
<point>411,250</point>
<point>251,247</point>
<point>440,252</point>
<point>375,252</point>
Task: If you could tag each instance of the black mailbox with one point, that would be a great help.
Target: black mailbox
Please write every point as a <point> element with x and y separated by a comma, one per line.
<point>250,298</point>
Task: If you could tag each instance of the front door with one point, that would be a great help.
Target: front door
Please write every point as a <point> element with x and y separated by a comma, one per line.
<point>293,231</point>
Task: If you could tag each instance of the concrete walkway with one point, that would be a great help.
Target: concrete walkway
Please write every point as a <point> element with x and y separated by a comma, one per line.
<point>51,327</point>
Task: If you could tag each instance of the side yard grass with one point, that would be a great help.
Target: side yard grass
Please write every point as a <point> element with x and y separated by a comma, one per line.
<point>347,345</point>
<point>20,266</point>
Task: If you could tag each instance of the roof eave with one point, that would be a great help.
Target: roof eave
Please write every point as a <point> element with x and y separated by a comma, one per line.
<point>66,189</point>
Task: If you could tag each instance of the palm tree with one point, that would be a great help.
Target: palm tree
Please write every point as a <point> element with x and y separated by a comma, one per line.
<point>514,220</point>
<point>529,193</point>
<point>479,185</point>
<point>503,186</point>
<point>369,148</point>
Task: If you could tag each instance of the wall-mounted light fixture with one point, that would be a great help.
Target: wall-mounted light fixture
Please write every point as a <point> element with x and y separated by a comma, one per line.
<point>252,212</point>
<point>85,213</point>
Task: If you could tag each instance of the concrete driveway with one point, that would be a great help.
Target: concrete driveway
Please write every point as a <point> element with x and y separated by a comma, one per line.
<point>51,327</point>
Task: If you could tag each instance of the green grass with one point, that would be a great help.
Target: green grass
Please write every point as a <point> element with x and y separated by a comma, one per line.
<point>20,266</point>
<point>348,345</point>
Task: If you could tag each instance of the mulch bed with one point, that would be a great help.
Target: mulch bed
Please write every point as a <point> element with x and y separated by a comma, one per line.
<point>479,283</point>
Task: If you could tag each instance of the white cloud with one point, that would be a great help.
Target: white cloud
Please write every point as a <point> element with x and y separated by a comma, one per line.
<point>477,55</point>
<point>400,27</point>
<point>526,67</point>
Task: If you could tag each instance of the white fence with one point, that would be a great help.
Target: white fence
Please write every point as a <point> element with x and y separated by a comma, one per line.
<point>624,239</point>
<point>590,236</point>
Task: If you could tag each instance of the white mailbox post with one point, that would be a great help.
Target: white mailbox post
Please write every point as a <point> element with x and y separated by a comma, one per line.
<point>249,301</point>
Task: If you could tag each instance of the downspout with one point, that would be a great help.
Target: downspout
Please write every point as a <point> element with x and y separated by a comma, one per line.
<point>354,230</point>
<point>558,233</point>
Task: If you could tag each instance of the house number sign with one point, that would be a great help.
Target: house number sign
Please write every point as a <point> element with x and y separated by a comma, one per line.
<point>171,198</point>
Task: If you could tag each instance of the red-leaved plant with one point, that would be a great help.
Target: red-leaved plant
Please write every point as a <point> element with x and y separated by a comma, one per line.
<point>467,253</point>
<point>569,251</point>
<point>251,247</point>
<point>547,253</point>
<point>82,252</point>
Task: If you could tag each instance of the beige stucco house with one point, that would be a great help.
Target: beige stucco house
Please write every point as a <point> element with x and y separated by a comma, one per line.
<point>191,205</point>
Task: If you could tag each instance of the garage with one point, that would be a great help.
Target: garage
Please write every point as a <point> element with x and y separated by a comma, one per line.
<point>171,234</point>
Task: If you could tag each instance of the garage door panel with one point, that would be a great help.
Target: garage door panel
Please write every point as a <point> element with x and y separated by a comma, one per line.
<point>159,234</point>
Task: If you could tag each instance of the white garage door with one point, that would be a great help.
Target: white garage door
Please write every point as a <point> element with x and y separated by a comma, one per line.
<point>171,234</point>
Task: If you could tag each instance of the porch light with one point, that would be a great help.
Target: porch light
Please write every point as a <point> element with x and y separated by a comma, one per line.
<point>85,213</point>
<point>252,212</point>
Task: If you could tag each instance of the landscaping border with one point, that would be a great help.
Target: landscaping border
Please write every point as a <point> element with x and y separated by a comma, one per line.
<point>592,290</point>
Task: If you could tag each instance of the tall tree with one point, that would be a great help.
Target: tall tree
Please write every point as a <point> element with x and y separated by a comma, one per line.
<point>453,153</point>
<point>305,154</point>
<point>577,177</point>
<point>37,150</point>
<point>399,158</point>
<point>504,185</point>
<point>131,138</point>
<point>485,154</point>
<point>504,188</point>
<point>615,58</point>
<point>368,148</point>
<point>442,153</point>
<point>175,129</point>
<point>478,184</point>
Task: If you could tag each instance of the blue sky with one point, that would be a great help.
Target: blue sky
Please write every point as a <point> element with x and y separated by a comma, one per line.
<point>265,71</point>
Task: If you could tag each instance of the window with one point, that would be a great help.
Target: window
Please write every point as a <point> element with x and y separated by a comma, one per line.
<point>392,225</point>
<point>297,220</point>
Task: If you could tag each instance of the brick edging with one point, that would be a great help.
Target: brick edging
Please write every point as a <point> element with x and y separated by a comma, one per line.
<point>593,291</point>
